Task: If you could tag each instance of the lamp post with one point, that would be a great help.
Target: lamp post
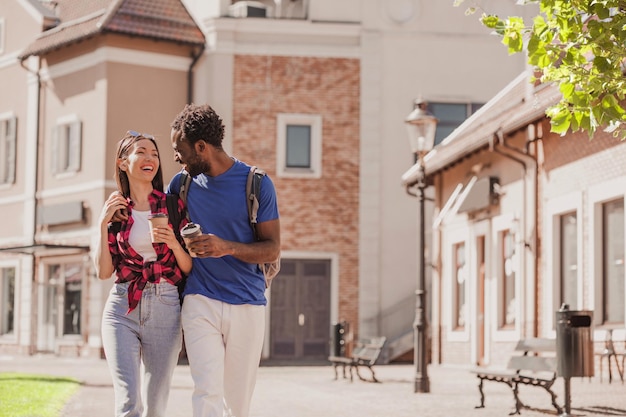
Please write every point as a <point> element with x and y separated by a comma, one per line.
<point>421,126</point>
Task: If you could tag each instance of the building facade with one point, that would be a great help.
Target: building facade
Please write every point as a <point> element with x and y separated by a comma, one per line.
<point>314,92</point>
<point>525,221</point>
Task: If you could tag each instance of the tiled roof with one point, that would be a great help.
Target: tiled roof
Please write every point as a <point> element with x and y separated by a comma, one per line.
<point>166,20</point>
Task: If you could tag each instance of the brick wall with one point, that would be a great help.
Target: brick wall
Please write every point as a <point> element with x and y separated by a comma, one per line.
<point>575,164</point>
<point>316,214</point>
<point>560,151</point>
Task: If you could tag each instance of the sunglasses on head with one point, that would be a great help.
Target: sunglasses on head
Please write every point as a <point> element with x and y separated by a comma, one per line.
<point>136,134</point>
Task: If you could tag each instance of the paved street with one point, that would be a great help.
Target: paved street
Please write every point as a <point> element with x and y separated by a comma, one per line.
<point>311,391</point>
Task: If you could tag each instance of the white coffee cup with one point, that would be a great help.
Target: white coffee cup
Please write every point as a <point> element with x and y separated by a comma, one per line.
<point>190,230</point>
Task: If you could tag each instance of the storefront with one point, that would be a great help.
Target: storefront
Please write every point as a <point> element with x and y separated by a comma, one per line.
<point>50,301</point>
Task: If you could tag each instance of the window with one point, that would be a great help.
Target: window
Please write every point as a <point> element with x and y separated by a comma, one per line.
<point>8,138</point>
<point>66,145</point>
<point>460,281</point>
<point>299,146</point>
<point>64,295</point>
<point>72,291</point>
<point>7,300</point>
<point>2,34</point>
<point>569,260</point>
<point>450,116</point>
<point>507,275</point>
<point>613,262</point>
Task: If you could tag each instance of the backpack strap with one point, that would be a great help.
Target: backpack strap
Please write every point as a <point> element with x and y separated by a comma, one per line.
<point>185,180</point>
<point>185,183</point>
<point>171,200</point>
<point>253,190</point>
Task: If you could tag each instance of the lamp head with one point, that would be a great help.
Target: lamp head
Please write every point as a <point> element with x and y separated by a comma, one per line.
<point>421,127</point>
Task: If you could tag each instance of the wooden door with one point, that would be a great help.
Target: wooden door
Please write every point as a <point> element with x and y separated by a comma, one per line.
<point>300,310</point>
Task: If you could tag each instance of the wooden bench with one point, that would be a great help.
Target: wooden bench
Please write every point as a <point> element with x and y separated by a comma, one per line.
<point>365,353</point>
<point>533,363</point>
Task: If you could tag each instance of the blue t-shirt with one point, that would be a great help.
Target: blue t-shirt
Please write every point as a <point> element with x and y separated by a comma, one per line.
<point>218,205</point>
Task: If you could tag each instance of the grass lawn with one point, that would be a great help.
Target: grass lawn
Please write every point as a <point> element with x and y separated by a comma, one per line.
<point>25,395</point>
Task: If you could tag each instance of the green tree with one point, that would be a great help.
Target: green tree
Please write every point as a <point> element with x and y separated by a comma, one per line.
<point>581,46</point>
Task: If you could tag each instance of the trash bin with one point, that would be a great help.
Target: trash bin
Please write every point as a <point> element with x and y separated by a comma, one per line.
<point>574,345</point>
<point>338,339</point>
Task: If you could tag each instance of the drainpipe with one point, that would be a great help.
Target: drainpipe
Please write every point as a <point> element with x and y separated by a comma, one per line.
<point>33,326</point>
<point>498,145</point>
<point>194,61</point>
<point>37,135</point>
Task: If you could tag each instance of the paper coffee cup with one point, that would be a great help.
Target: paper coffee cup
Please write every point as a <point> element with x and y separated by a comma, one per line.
<point>190,230</point>
<point>156,220</point>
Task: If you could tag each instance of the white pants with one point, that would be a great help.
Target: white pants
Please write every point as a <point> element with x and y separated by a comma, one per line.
<point>224,344</point>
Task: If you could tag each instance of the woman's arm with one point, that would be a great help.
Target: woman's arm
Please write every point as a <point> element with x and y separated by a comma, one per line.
<point>103,259</point>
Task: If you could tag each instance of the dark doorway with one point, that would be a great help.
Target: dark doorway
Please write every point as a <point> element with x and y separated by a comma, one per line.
<point>300,311</point>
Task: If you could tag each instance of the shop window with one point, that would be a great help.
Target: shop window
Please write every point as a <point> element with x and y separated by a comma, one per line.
<point>64,298</point>
<point>459,285</point>
<point>508,280</point>
<point>613,290</point>
<point>7,301</point>
<point>72,292</point>
<point>568,278</point>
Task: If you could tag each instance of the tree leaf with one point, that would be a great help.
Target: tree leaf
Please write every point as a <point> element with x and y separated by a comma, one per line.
<point>560,119</point>
<point>581,46</point>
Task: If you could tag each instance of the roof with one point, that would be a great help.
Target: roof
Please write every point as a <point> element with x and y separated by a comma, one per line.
<point>514,107</point>
<point>165,20</point>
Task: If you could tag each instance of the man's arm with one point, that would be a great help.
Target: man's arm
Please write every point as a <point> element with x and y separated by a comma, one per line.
<point>266,249</point>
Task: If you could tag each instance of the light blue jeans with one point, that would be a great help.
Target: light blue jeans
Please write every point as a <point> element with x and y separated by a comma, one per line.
<point>151,334</point>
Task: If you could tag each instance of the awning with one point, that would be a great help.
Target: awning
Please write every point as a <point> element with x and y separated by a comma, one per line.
<point>46,249</point>
<point>477,194</point>
<point>482,194</point>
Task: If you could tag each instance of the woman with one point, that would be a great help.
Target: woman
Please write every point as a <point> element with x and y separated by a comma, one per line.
<point>141,319</point>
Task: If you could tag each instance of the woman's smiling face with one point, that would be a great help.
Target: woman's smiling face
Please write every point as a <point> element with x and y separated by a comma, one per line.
<point>143,160</point>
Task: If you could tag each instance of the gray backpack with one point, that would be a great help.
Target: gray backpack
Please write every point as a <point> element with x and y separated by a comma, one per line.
<point>253,189</point>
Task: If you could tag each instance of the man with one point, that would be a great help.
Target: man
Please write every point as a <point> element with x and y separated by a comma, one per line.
<point>223,313</point>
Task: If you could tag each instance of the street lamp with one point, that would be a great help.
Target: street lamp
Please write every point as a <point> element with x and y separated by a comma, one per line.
<point>421,126</point>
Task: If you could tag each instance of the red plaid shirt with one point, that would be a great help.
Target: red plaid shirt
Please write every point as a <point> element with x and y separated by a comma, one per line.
<point>130,266</point>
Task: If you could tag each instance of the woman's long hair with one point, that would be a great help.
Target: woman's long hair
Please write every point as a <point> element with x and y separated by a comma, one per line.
<point>123,148</point>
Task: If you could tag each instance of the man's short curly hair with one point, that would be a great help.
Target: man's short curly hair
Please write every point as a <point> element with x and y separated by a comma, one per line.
<point>197,122</point>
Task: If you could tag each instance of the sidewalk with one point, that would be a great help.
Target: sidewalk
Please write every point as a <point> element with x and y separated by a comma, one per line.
<point>311,391</point>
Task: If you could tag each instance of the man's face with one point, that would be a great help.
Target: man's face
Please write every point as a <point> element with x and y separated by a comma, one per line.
<point>186,155</point>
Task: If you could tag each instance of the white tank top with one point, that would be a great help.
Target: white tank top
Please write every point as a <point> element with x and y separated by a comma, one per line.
<point>139,237</point>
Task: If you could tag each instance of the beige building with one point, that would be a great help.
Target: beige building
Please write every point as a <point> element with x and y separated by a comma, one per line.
<point>314,92</point>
